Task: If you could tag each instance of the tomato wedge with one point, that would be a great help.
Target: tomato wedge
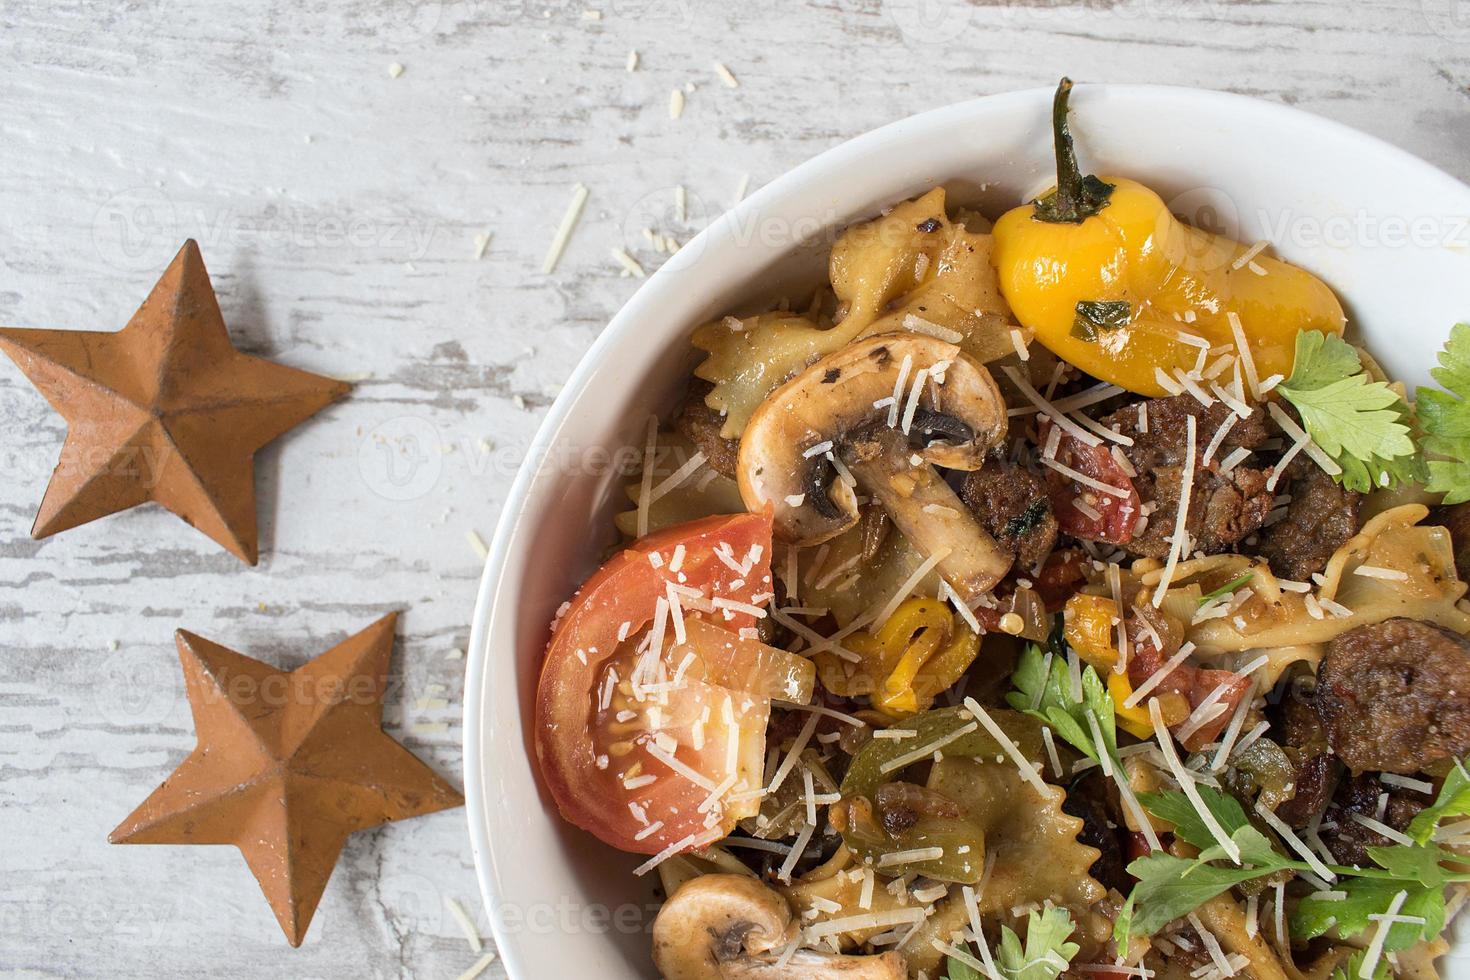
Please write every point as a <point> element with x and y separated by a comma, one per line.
<point>652,707</point>
<point>1197,684</point>
<point>1084,511</point>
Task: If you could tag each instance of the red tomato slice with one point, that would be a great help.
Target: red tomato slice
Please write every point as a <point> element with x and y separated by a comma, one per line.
<point>1117,517</point>
<point>1195,684</point>
<point>647,751</point>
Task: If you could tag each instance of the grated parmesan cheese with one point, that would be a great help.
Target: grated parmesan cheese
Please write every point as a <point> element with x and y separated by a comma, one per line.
<point>1379,827</point>
<point>1295,843</point>
<point>1186,489</point>
<point>1051,411</point>
<point>898,387</point>
<point>1245,360</point>
<point>726,76</point>
<point>1019,342</point>
<point>1380,935</point>
<point>564,230</point>
<point>466,924</point>
<point>909,758</point>
<point>1186,778</point>
<point>1010,747</point>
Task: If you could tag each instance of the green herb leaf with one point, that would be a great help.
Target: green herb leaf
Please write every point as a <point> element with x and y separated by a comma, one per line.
<point>1169,887</point>
<point>1123,926</point>
<point>1046,953</point>
<point>1176,809</point>
<point>1354,966</point>
<point>1362,425</point>
<point>1046,694</point>
<point>1227,588</point>
<point>1453,801</point>
<point>1420,864</point>
<point>1367,897</point>
<point>958,969</point>
<point>1321,359</point>
<point>1094,316</point>
<point>1255,848</point>
<point>1445,419</point>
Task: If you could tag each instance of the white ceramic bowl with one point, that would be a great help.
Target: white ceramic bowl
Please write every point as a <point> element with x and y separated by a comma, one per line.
<point>1385,229</point>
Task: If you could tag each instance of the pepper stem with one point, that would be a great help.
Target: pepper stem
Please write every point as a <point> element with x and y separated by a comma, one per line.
<point>1077,197</point>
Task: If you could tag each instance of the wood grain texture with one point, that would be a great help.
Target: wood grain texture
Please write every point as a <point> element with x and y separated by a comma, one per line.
<point>337,208</point>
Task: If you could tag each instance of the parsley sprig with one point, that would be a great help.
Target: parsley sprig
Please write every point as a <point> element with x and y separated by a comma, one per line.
<point>1445,419</point>
<point>1170,887</point>
<point>1045,954</point>
<point>1045,693</point>
<point>1363,425</point>
<point>1354,967</point>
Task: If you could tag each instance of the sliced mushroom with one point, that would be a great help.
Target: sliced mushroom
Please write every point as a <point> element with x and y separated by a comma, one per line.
<point>841,411</point>
<point>732,927</point>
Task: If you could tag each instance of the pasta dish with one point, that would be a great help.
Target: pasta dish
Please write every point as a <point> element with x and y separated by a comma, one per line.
<point>1063,595</point>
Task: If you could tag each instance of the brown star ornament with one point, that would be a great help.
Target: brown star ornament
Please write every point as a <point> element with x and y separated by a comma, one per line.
<point>164,410</point>
<point>287,765</point>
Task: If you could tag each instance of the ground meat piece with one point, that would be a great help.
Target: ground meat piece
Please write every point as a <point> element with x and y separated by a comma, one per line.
<point>1164,442</point>
<point>1012,504</point>
<point>1088,800</point>
<point>1319,520</point>
<point>701,424</point>
<point>1456,518</point>
<point>1223,509</point>
<point>1349,840</point>
<point>1395,696</point>
<point>1305,742</point>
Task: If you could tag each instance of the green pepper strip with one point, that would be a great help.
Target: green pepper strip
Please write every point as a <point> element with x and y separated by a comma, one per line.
<point>866,775</point>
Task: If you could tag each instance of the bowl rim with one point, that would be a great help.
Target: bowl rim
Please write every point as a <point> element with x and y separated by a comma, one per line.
<point>477,666</point>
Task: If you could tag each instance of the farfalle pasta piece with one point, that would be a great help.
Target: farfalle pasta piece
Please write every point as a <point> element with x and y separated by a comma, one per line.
<point>701,493</point>
<point>1408,570</point>
<point>843,880</point>
<point>1030,844</point>
<point>911,269</point>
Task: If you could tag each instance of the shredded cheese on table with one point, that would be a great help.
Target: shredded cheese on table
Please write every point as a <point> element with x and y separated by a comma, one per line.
<point>564,230</point>
<point>466,924</point>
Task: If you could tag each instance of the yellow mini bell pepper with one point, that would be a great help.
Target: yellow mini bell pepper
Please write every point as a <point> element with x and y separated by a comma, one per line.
<point>1112,282</point>
<point>1134,721</point>
<point>1089,622</point>
<point>917,652</point>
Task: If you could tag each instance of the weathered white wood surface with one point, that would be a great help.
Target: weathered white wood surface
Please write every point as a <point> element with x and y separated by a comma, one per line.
<point>337,208</point>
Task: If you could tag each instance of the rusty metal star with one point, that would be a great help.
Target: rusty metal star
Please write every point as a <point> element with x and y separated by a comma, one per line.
<point>165,410</point>
<point>287,766</point>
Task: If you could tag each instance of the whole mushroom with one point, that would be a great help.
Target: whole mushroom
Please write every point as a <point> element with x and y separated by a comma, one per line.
<point>732,927</point>
<point>886,410</point>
